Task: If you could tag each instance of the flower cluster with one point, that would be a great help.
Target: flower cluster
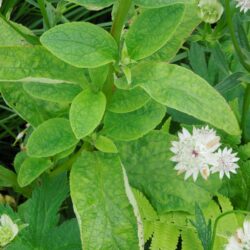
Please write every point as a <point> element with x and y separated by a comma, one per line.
<point>244,5</point>
<point>8,230</point>
<point>199,153</point>
<point>241,239</point>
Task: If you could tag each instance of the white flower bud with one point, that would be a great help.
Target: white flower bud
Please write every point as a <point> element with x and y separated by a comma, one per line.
<point>210,11</point>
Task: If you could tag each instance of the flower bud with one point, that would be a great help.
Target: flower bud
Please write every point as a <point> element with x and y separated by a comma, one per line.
<point>210,11</point>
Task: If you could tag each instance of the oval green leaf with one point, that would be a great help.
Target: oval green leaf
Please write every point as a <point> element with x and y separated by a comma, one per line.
<point>104,214</point>
<point>183,90</point>
<point>32,168</point>
<point>86,112</point>
<point>82,44</point>
<point>124,101</point>
<point>130,126</point>
<point>152,29</point>
<point>50,138</point>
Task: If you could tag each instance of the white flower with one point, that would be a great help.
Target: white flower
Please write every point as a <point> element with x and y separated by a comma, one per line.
<point>241,239</point>
<point>225,162</point>
<point>244,5</point>
<point>8,230</point>
<point>210,11</point>
<point>194,153</point>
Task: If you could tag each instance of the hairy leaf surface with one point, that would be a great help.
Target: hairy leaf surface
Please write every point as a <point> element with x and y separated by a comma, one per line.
<point>132,125</point>
<point>86,112</point>
<point>50,138</point>
<point>104,213</point>
<point>181,89</point>
<point>152,29</point>
<point>81,44</point>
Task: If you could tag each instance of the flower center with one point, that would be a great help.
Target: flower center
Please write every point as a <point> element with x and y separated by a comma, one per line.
<point>195,153</point>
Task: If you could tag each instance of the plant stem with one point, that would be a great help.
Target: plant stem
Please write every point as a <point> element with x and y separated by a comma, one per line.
<point>44,13</point>
<point>220,217</point>
<point>246,105</point>
<point>233,37</point>
<point>116,31</point>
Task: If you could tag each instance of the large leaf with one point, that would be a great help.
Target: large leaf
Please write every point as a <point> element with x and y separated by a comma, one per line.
<point>93,4</point>
<point>104,213</point>
<point>35,64</point>
<point>150,170</point>
<point>50,138</point>
<point>81,44</point>
<point>189,21</point>
<point>132,125</point>
<point>31,168</point>
<point>63,92</point>
<point>86,112</point>
<point>124,101</point>
<point>152,29</point>
<point>181,89</point>
<point>159,3</point>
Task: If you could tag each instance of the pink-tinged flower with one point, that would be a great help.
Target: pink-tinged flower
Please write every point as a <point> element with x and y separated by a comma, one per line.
<point>226,162</point>
<point>241,239</point>
<point>244,5</point>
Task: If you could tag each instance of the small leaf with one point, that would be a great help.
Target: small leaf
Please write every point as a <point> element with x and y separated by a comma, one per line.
<point>124,101</point>
<point>81,44</point>
<point>50,138</point>
<point>104,214</point>
<point>86,112</point>
<point>130,126</point>
<point>105,145</point>
<point>32,168</point>
<point>152,29</point>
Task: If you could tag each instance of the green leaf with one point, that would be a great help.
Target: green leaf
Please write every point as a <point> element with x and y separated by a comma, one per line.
<point>159,3</point>
<point>9,36</point>
<point>104,144</point>
<point>150,170</point>
<point>181,89</point>
<point>130,126</point>
<point>93,4</point>
<point>103,211</point>
<point>50,138</point>
<point>25,106</point>
<point>32,168</point>
<point>35,64</point>
<point>81,44</point>
<point>86,112</point>
<point>53,92</point>
<point>64,237</point>
<point>124,101</point>
<point>41,211</point>
<point>7,177</point>
<point>189,21</point>
<point>152,29</point>
<point>98,76</point>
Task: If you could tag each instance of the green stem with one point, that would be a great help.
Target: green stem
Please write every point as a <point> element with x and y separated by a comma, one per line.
<point>44,13</point>
<point>116,31</point>
<point>220,217</point>
<point>246,105</point>
<point>233,37</point>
